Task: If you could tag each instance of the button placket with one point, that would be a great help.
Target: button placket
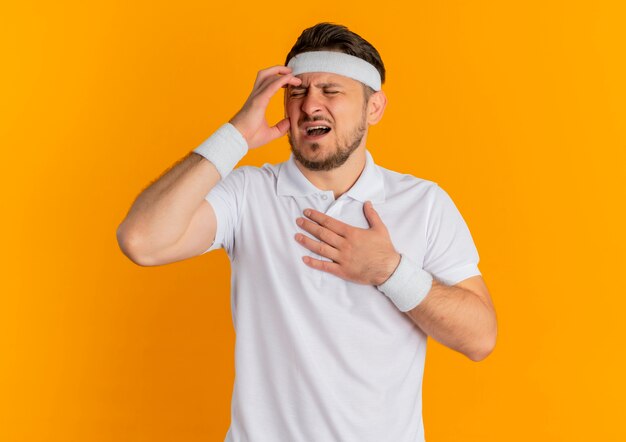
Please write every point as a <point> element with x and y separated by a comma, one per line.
<point>303,204</point>
<point>334,210</point>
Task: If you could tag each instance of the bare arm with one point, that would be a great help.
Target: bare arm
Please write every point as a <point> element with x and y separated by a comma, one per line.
<point>461,317</point>
<point>162,212</point>
<point>171,220</point>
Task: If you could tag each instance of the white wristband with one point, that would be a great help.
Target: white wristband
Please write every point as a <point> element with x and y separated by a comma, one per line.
<point>408,285</point>
<point>224,148</point>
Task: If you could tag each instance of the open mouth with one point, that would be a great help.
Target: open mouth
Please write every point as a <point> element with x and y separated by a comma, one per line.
<point>316,131</point>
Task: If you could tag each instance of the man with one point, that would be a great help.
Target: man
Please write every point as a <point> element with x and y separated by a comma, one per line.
<point>340,268</point>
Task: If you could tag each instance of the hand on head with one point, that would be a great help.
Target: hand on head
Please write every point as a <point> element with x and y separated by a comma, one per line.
<point>251,120</point>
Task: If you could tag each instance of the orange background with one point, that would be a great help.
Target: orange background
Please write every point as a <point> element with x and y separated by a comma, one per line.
<point>517,110</point>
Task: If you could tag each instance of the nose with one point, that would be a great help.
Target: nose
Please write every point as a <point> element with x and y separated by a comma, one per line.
<point>311,103</point>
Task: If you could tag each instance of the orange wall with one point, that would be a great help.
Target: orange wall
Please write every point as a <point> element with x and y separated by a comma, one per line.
<point>518,111</point>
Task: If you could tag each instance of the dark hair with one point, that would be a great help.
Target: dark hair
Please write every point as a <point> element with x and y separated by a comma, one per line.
<point>330,36</point>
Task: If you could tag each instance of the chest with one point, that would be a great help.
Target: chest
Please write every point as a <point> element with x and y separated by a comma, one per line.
<point>269,226</point>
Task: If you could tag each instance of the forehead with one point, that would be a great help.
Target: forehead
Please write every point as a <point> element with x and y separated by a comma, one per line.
<point>325,78</point>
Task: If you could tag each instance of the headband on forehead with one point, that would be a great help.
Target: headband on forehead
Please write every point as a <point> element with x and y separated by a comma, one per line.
<point>336,63</point>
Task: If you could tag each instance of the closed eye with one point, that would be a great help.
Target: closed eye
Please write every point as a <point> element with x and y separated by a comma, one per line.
<point>300,92</point>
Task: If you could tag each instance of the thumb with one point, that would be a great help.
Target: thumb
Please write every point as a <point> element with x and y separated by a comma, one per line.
<point>372,216</point>
<point>280,128</point>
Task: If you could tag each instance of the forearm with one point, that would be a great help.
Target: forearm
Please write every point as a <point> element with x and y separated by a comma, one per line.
<point>162,212</point>
<point>457,318</point>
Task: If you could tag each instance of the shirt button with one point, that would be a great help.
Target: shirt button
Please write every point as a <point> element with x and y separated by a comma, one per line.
<point>324,196</point>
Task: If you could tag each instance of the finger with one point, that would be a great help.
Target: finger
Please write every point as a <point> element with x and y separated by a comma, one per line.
<point>340,228</point>
<point>273,85</point>
<point>322,233</point>
<point>372,215</point>
<point>280,128</point>
<point>318,247</point>
<point>271,71</point>
<point>263,81</point>
<point>262,94</point>
<point>297,82</point>
<point>325,266</point>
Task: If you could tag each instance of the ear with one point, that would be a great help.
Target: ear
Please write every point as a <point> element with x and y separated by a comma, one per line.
<point>376,107</point>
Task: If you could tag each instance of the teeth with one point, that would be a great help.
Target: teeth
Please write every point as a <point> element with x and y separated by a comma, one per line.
<point>309,129</point>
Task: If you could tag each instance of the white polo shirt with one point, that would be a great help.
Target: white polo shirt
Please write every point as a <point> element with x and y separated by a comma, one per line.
<point>319,358</point>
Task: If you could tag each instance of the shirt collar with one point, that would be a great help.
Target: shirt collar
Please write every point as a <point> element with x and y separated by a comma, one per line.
<point>369,185</point>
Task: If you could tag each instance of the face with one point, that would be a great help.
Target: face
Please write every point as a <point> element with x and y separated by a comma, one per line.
<point>328,120</point>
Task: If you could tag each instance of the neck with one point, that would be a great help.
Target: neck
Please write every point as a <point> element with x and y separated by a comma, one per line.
<point>340,179</point>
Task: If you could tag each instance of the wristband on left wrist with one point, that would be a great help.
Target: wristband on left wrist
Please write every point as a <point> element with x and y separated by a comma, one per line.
<point>408,285</point>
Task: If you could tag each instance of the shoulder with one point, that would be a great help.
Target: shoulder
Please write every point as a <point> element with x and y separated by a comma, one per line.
<point>404,184</point>
<point>248,178</point>
<point>257,174</point>
<point>252,174</point>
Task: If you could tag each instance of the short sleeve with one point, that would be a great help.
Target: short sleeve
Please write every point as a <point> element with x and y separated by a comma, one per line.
<point>451,254</point>
<point>227,199</point>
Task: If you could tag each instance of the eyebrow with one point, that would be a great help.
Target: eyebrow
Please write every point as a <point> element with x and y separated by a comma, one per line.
<point>318,85</point>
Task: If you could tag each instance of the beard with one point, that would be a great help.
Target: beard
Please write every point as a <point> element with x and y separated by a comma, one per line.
<point>341,152</point>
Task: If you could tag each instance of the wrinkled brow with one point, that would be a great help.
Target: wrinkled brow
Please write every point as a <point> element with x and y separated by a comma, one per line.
<point>318,85</point>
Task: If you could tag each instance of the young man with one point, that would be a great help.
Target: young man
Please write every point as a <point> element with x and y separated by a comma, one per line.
<point>340,268</point>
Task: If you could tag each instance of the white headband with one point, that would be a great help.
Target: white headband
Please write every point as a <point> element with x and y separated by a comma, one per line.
<point>336,63</point>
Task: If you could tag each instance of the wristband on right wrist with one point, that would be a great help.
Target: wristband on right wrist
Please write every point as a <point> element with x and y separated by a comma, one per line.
<point>408,285</point>
<point>225,148</point>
